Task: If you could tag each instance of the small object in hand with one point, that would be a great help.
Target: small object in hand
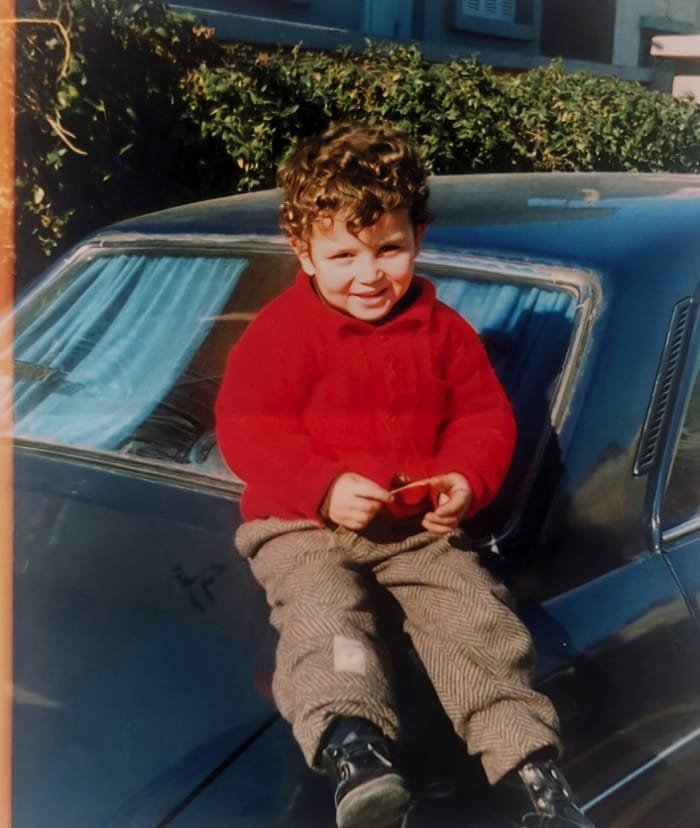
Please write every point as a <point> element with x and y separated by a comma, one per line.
<point>409,499</point>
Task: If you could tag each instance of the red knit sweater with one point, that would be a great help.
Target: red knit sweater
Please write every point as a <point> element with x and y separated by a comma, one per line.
<point>310,393</point>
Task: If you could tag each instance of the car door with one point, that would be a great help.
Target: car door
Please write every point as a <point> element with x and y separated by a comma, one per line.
<point>676,522</point>
<point>629,690</point>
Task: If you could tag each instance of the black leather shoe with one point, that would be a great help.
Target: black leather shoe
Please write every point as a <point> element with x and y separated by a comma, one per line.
<point>369,791</point>
<point>551,798</point>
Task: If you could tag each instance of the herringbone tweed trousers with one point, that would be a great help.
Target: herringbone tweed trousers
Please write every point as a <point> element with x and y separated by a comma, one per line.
<point>330,663</point>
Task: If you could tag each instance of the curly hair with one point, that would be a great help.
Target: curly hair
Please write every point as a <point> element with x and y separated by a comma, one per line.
<point>353,170</point>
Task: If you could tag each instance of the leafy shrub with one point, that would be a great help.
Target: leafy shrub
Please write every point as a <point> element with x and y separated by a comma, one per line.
<point>101,130</point>
<point>466,117</point>
<point>576,121</point>
<point>149,112</point>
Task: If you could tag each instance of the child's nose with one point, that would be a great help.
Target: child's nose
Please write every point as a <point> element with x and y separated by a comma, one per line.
<point>369,272</point>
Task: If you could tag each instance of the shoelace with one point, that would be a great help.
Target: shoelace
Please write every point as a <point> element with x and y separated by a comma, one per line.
<point>386,762</point>
<point>344,756</point>
<point>547,787</point>
<point>544,783</point>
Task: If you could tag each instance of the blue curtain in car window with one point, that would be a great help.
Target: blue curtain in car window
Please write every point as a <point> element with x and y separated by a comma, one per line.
<point>95,362</point>
<point>526,330</point>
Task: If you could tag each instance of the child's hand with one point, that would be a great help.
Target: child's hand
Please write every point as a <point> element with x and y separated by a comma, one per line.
<point>353,501</point>
<point>452,495</point>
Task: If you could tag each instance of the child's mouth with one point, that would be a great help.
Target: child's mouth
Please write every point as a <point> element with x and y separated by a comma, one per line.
<point>376,297</point>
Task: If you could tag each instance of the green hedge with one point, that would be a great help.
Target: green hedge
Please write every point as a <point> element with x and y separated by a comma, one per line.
<point>108,134</point>
<point>466,117</point>
<point>150,112</point>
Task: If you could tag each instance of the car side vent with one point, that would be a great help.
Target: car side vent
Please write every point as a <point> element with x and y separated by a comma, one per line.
<point>671,361</point>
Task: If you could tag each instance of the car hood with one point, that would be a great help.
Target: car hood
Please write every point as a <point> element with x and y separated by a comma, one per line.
<point>142,650</point>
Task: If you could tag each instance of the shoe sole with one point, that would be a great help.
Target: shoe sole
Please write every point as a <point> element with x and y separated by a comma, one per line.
<point>379,803</point>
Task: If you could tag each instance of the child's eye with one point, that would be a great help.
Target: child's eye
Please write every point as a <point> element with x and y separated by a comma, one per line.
<point>388,248</point>
<point>343,255</point>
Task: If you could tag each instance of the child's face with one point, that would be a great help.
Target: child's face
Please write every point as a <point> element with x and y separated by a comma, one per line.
<point>362,275</point>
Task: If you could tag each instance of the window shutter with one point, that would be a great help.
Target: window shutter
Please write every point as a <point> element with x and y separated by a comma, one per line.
<point>493,9</point>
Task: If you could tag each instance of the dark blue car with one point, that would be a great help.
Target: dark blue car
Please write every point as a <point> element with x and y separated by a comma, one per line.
<point>143,652</point>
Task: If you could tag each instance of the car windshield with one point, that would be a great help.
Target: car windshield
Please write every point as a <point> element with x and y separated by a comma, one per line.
<point>124,350</point>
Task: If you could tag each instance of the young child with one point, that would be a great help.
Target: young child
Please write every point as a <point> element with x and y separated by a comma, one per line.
<point>354,383</point>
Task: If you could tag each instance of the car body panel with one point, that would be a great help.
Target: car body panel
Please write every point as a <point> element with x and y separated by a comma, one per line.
<point>141,646</point>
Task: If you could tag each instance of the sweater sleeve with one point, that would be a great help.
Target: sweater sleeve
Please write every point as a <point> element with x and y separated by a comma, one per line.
<point>478,433</point>
<point>259,411</point>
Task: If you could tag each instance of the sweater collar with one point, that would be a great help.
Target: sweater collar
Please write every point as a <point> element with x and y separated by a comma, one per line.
<point>417,307</point>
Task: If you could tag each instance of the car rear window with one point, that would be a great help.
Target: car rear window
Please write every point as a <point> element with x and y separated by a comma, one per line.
<point>124,351</point>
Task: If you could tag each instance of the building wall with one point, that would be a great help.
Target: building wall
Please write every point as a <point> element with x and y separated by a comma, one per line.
<point>631,15</point>
<point>345,15</point>
<point>443,28</point>
<point>602,36</point>
<point>448,22</point>
<point>578,29</point>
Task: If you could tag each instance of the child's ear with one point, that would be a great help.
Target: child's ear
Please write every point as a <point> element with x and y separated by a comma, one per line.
<point>301,248</point>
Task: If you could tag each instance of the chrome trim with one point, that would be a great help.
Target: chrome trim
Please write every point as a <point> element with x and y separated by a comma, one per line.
<point>660,757</point>
<point>182,475</point>
<point>685,528</point>
<point>191,241</point>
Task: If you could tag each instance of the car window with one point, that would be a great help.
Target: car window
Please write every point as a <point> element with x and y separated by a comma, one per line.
<point>124,352</point>
<point>117,336</point>
<point>682,499</point>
